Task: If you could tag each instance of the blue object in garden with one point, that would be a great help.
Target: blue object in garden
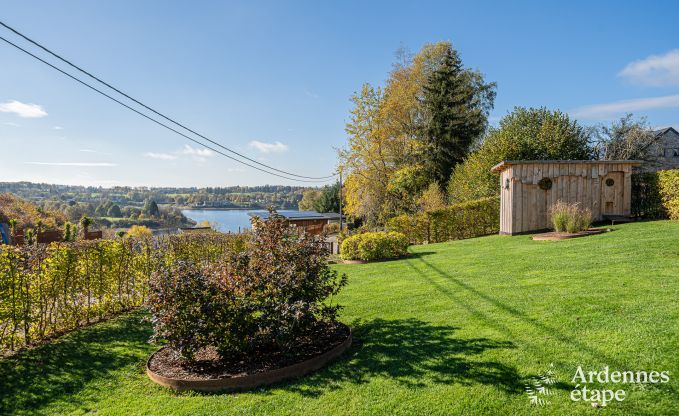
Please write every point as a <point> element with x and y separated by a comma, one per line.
<point>4,233</point>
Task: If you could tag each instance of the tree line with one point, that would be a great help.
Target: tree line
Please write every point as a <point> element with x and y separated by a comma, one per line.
<point>423,141</point>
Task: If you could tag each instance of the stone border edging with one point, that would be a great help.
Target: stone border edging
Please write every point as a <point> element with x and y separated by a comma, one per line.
<point>250,381</point>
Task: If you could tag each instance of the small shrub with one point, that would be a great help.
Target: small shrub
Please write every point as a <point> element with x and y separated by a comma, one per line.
<point>332,228</point>
<point>374,246</point>
<point>139,231</point>
<point>570,218</point>
<point>271,295</point>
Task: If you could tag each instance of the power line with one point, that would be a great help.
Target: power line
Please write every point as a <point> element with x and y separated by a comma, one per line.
<point>153,110</point>
<point>151,118</point>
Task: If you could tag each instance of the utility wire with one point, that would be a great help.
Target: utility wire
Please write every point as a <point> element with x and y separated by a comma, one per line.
<point>155,111</point>
<point>151,118</point>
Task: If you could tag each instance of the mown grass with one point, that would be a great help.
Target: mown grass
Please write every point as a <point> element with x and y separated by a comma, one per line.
<point>458,328</point>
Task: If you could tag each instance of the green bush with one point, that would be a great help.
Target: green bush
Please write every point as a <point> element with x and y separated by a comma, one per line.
<point>656,194</point>
<point>646,199</point>
<point>455,222</point>
<point>373,246</point>
<point>668,182</point>
<point>271,296</point>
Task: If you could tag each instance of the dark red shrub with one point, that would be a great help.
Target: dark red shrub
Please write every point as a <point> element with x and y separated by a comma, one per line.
<point>268,295</point>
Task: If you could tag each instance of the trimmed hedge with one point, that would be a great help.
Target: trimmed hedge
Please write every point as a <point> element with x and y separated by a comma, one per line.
<point>656,194</point>
<point>646,199</point>
<point>668,183</point>
<point>455,222</point>
<point>49,289</point>
<point>374,246</point>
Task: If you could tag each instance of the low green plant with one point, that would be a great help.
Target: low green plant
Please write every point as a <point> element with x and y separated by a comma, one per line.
<point>570,217</point>
<point>372,246</point>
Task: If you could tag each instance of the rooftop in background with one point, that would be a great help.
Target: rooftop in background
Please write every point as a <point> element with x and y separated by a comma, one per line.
<point>505,163</point>
<point>660,132</point>
<point>297,215</point>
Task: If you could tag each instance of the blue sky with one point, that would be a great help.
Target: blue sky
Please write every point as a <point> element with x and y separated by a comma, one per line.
<point>273,79</point>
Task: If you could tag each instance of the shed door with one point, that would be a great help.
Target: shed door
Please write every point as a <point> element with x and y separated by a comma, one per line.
<point>612,195</point>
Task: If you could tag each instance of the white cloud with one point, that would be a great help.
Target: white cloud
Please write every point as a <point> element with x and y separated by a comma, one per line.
<point>22,109</point>
<point>160,156</point>
<point>607,110</point>
<point>188,150</point>
<point>199,155</point>
<point>78,164</point>
<point>655,70</point>
<point>93,151</point>
<point>11,124</point>
<point>57,128</point>
<point>276,147</point>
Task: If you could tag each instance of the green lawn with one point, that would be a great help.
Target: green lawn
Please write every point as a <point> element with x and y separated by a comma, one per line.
<point>458,328</point>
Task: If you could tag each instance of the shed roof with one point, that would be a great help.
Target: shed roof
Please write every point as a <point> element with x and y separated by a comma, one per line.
<point>505,163</point>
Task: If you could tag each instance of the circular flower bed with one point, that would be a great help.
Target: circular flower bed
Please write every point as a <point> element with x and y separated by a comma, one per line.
<point>243,318</point>
<point>207,372</point>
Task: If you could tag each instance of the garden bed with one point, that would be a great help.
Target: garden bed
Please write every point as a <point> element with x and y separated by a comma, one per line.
<point>555,236</point>
<point>208,373</point>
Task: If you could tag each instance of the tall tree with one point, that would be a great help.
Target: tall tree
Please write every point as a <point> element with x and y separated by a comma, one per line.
<point>625,139</point>
<point>523,134</point>
<point>309,199</point>
<point>329,199</point>
<point>456,102</point>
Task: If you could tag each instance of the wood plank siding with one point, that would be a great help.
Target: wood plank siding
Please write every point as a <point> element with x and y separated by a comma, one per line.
<point>605,187</point>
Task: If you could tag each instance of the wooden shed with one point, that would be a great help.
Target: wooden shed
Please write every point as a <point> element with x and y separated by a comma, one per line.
<point>529,188</point>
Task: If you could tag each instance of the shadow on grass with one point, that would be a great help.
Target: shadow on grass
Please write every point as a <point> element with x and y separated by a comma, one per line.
<point>36,377</point>
<point>414,353</point>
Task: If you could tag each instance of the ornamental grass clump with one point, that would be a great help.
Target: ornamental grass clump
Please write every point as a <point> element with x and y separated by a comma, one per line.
<point>570,218</point>
<point>272,295</point>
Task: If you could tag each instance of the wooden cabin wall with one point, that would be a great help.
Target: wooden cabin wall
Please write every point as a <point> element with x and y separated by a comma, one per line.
<point>525,207</point>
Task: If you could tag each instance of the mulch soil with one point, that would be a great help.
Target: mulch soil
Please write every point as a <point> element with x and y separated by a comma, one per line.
<point>208,366</point>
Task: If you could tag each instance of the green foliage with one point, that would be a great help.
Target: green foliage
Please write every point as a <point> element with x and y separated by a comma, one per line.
<point>656,194</point>
<point>570,218</point>
<point>432,198</point>
<point>151,209</point>
<point>524,134</point>
<point>455,222</point>
<point>268,297</point>
<point>646,199</point>
<point>668,181</point>
<point>114,211</point>
<point>455,102</point>
<point>372,246</point>
<point>46,290</point>
<point>328,201</point>
<point>309,199</point>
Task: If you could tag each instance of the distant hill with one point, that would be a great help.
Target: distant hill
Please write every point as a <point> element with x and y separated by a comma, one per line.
<point>27,213</point>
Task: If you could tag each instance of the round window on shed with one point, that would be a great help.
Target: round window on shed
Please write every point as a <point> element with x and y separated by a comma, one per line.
<point>610,182</point>
<point>545,183</point>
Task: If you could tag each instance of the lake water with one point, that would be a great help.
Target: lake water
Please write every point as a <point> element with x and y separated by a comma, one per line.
<point>225,220</point>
